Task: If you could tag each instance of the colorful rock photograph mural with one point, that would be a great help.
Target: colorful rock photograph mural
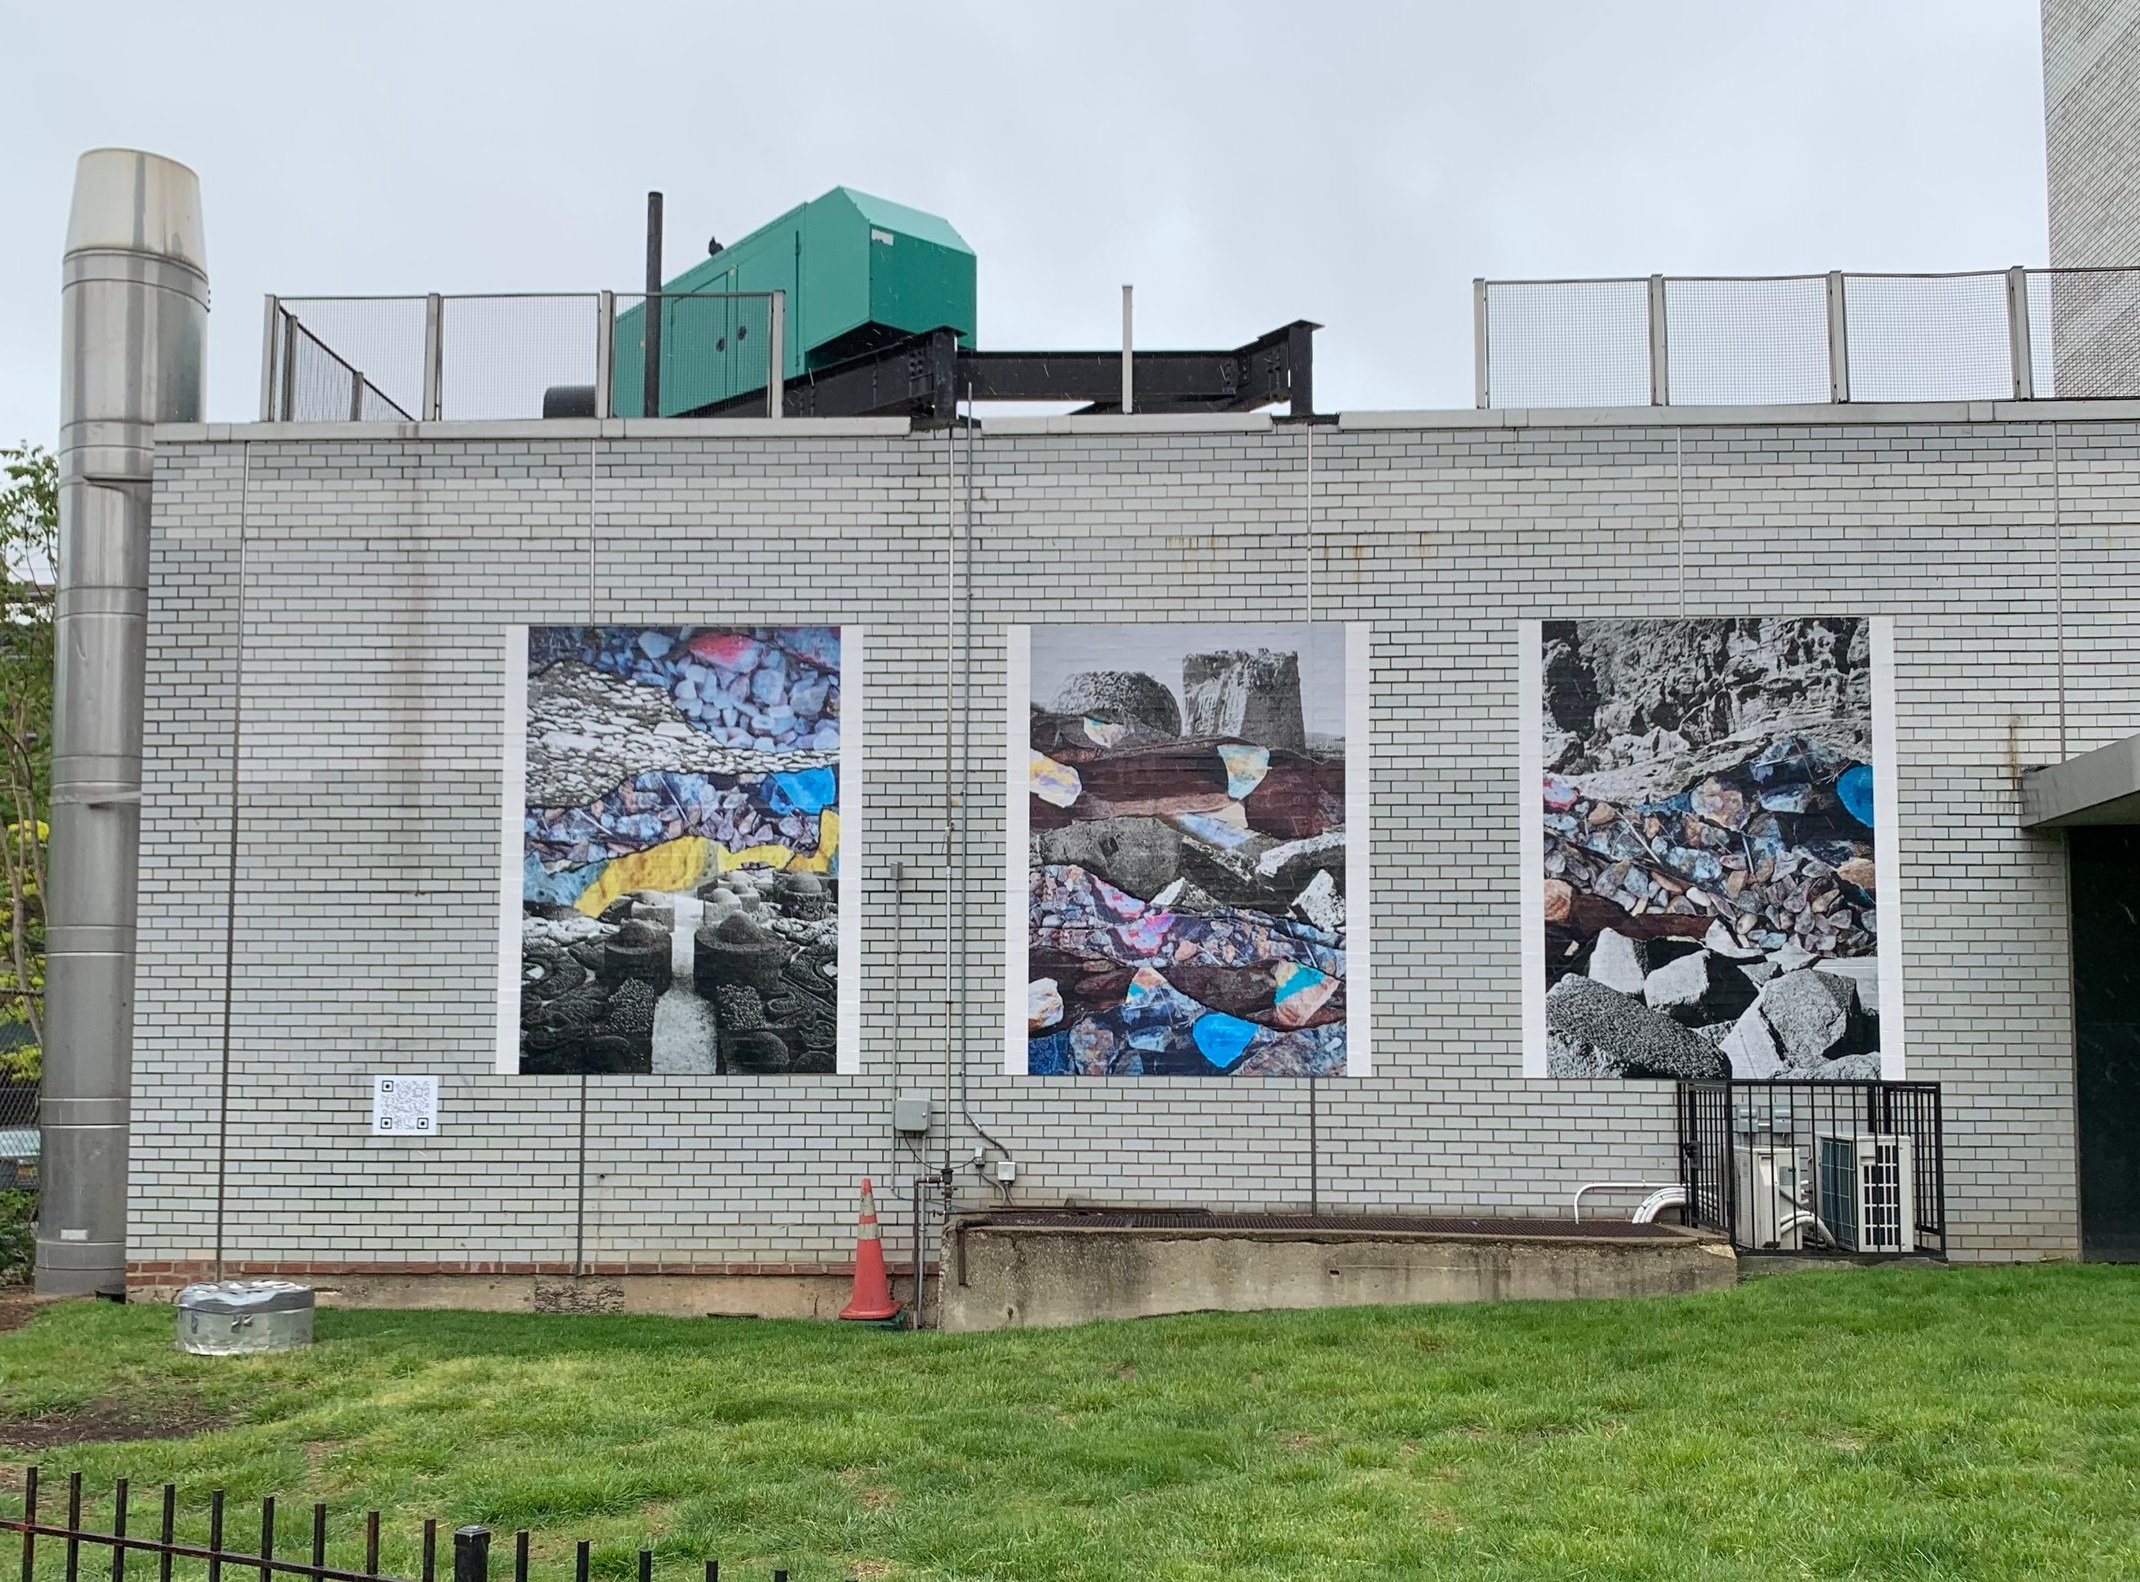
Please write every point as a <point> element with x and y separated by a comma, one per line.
<point>1708,849</point>
<point>1187,851</point>
<point>681,807</point>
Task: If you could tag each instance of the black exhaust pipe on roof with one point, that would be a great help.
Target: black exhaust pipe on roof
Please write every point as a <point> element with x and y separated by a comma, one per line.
<point>578,400</point>
<point>652,317</point>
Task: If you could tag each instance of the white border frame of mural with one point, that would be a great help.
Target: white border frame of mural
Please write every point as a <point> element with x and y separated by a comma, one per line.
<point>853,825</point>
<point>1531,842</point>
<point>1017,839</point>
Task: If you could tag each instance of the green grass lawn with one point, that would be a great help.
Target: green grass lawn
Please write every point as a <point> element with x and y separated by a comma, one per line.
<point>1883,1423</point>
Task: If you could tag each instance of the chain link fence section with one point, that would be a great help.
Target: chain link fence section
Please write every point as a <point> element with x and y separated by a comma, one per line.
<point>1687,341</point>
<point>19,1137</point>
<point>1564,343</point>
<point>1928,337</point>
<point>1747,342</point>
<point>517,356</point>
<point>1991,335</point>
<point>380,339</point>
<point>2085,332</point>
<point>499,356</point>
<point>310,384</point>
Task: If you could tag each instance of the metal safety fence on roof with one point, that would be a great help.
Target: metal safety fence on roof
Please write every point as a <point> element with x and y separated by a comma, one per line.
<point>520,355</point>
<point>1996,335</point>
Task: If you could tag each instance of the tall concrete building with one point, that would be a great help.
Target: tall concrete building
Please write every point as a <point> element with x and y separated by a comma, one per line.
<point>2091,117</point>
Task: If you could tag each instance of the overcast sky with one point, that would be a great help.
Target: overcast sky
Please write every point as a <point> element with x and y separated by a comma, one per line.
<point>1244,163</point>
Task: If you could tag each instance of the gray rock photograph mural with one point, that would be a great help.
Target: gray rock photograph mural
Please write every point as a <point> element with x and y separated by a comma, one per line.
<point>681,818</point>
<point>1188,851</point>
<point>1707,849</point>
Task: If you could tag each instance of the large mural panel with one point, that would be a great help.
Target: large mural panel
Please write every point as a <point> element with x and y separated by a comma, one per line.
<point>682,816</point>
<point>1711,885</point>
<point>1187,850</point>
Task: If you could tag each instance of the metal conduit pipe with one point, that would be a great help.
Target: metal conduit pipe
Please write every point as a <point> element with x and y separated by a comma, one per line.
<point>133,338</point>
<point>965,782</point>
<point>951,876</point>
<point>965,809</point>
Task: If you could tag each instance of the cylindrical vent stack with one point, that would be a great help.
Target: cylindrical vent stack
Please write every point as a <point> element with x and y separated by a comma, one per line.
<point>133,340</point>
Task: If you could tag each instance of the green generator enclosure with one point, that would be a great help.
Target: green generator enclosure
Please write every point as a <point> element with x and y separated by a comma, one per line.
<point>859,273</point>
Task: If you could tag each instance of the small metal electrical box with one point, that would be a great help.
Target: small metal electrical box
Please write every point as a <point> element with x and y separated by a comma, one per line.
<point>910,1114</point>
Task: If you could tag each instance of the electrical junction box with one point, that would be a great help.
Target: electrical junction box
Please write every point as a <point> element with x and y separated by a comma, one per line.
<point>910,1115</point>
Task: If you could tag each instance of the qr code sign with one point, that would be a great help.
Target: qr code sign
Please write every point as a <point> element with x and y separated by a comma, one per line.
<point>404,1106</point>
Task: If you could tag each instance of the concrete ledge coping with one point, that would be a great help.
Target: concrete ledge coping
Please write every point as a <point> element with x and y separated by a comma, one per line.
<point>1673,1234</point>
<point>1835,415</point>
<point>1133,423</point>
<point>797,428</point>
<point>1809,415</point>
<point>1218,422</point>
<point>2100,787</point>
<point>708,428</point>
<point>1549,1230</point>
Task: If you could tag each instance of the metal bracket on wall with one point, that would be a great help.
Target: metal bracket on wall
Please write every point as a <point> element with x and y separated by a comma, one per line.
<point>83,797</point>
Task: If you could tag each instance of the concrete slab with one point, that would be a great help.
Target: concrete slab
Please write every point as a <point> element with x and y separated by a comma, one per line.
<point>1026,1272</point>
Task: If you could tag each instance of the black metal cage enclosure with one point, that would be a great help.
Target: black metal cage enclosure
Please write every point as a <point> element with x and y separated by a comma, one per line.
<point>1853,1168</point>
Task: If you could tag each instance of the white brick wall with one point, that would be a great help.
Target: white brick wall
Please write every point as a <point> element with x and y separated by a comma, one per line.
<point>379,571</point>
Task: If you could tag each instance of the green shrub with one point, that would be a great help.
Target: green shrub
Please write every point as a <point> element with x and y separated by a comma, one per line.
<point>23,1063</point>
<point>18,1246</point>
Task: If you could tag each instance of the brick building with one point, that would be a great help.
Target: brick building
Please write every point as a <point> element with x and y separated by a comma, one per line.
<point>334,597</point>
<point>332,609</point>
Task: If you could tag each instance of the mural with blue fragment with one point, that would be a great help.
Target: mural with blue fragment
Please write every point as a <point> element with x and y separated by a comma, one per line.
<point>1185,883</point>
<point>680,863</point>
<point>1712,866</point>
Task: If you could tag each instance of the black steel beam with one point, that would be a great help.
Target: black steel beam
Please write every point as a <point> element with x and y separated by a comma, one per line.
<point>1273,368</point>
<point>926,376</point>
<point>914,378</point>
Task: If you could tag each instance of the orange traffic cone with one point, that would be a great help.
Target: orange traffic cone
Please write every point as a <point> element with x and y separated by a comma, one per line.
<point>873,1291</point>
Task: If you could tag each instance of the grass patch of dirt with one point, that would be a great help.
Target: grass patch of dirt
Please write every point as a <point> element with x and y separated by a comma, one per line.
<point>108,1420</point>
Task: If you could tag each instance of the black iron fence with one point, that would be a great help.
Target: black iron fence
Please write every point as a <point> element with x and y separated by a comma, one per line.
<point>1816,1167</point>
<point>154,1536</point>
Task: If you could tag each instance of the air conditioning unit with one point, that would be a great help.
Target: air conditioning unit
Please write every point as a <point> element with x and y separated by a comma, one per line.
<point>1769,1195</point>
<point>1865,1191</point>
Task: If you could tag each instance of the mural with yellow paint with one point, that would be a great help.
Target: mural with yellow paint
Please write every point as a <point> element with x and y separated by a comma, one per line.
<point>681,807</point>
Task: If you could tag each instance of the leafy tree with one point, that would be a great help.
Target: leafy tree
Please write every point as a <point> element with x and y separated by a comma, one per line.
<point>29,554</point>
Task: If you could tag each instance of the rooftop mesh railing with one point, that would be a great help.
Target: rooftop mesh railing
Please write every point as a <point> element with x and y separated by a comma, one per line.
<point>306,381</point>
<point>1996,335</point>
<point>524,355</point>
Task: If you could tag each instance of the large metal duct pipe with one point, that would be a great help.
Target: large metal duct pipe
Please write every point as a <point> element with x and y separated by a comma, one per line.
<point>133,338</point>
